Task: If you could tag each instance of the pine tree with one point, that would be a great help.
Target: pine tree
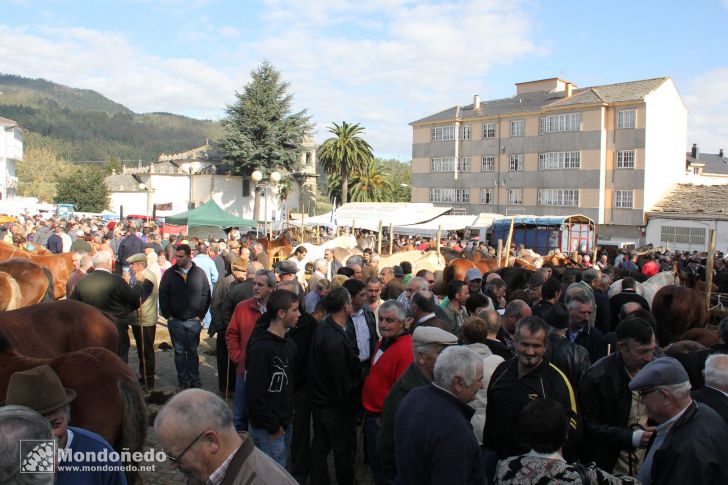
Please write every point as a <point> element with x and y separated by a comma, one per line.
<point>261,132</point>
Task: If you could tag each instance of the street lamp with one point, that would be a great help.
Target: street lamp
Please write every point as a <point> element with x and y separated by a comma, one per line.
<point>257,177</point>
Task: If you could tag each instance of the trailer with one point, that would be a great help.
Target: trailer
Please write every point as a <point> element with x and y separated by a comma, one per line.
<point>575,233</point>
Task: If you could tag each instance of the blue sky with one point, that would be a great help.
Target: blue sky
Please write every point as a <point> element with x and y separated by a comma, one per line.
<point>381,63</point>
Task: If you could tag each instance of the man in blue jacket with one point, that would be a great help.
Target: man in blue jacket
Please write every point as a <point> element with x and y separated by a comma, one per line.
<point>441,446</point>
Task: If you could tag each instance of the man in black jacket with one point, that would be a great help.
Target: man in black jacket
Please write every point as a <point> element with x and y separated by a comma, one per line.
<point>184,297</point>
<point>270,369</point>
<point>615,420</point>
<point>333,375</point>
<point>519,380</point>
<point>690,438</point>
<point>571,358</point>
<point>361,327</point>
<point>111,294</point>
<point>694,362</point>
<point>580,332</point>
<point>628,294</point>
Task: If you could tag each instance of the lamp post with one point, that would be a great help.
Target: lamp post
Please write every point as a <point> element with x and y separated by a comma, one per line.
<point>275,177</point>
<point>148,192</point>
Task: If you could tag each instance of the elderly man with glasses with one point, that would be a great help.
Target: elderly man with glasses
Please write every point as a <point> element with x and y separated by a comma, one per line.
<point>196,430</point>
<point>690,438</point>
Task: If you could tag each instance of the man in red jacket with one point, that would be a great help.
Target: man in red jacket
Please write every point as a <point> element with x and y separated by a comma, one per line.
<point>241,326</point>
<point>392,355</point>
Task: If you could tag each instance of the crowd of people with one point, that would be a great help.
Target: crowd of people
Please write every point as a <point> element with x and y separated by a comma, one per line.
<point>483,383</point>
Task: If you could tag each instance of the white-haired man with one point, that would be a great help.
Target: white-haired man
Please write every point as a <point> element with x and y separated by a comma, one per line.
<point>440,445</point>
<point>715,391</point>
<point>110,293</point>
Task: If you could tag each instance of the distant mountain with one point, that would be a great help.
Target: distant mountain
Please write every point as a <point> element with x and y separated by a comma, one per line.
<point>82,125</point>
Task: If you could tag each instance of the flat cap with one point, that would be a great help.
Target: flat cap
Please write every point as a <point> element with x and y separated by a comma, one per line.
<point>536,279</point>
<point>137,258</point>
<point>557,316</point>
<point>239,264</point>
<point>433,335</point>
<point>664,371</point>
<point>473,274</point>
<point>287,267</point>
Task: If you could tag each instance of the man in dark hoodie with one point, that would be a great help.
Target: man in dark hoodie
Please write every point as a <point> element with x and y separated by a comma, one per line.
<point>269,369</point>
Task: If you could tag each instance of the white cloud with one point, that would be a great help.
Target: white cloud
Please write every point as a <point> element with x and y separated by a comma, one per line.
<point>706,97</point>
<point>107,63</point>
<point>381,63</point>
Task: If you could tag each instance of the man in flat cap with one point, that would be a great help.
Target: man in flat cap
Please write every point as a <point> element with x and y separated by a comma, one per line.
<point>18,424</point>
<point>427,343</point>
<point>41,390</point>
<point>144,328</point>
<point>690,438</point>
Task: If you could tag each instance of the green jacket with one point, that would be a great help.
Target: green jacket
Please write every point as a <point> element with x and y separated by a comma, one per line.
<point>412,378</point>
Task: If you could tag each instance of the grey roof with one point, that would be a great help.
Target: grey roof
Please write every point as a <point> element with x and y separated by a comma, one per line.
<point>686,201</point>
<point>123,183</point>
<point>7,122</point>
<point>713,162</point>
<point>536,101</point>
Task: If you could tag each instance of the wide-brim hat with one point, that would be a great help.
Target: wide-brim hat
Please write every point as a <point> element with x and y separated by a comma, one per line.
<point>39,389</point>
<point>557,316</point>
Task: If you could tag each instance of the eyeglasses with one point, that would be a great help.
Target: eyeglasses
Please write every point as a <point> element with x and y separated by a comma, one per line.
<point>643,394</point>
<point>178,458</point>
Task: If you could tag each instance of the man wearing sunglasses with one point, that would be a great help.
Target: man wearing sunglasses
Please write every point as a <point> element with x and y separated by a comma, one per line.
<point>690,438</point>
<point>196,430</point>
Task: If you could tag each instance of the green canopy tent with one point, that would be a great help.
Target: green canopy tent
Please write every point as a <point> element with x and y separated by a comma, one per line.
<point>208,217</point>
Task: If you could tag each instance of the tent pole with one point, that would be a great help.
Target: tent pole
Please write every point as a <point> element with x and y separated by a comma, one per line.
<point>379,239</point>
<point>391,238</point>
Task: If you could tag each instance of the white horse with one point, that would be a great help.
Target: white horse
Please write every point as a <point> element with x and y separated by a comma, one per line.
<point>649,288</point>
<point>420,260</point>
<point>316,251</point>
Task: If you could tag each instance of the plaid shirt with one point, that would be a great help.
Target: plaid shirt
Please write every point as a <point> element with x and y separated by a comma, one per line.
<point>217,476</point>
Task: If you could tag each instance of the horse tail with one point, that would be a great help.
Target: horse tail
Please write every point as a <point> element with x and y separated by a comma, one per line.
<point>49,292</point>
<point>133,423</point>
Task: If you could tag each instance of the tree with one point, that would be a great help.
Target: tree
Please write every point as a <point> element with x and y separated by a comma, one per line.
<point>401,179</point>
<point>85,187</point>
<point>261,133</point>
<point>344,154</point>
<point>38,173</point>
<point>372,184</point>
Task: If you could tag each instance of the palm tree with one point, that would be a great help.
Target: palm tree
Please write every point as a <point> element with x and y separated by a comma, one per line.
<point>344,153</point>
<point>372,184</point>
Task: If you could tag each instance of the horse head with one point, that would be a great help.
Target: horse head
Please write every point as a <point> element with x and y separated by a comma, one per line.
<point>677,309</point>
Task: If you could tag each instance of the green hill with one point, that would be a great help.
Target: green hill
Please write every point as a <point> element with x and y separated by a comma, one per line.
<point>81,124</point>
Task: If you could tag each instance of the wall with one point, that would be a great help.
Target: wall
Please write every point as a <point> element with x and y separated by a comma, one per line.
<point>654,228</point>
<point>665,141</point>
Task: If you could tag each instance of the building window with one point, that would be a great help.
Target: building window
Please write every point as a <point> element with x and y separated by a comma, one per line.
<point>486,196</point>
<point>443,133</point>
<point>450,195</point>
<point>557,123</point>
<point>624,199</point>
<point>488,130</point>
<point>517,127</point>
<point>559,197</point>
<point>464,164</point>
<point>690,236</point>
<point>558,160</point>
<point>625,159</point>
<point>465,132</point>
<point>444,164</point>
<point>626,118</point>
<point>515,163</point>
<point>515,196</point>
<point>487,163</point>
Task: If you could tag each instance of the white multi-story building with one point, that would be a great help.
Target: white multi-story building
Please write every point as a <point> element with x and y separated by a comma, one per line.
<point>11,151</point>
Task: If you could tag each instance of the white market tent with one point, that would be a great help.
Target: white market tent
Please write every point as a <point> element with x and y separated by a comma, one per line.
<point>429,228</point>
<point>367,215</point>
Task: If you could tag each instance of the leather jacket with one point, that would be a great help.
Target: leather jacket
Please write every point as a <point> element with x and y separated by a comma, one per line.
<point>571,358</point>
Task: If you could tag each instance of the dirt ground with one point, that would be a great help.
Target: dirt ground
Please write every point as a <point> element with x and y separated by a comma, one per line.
<point>166,383</point>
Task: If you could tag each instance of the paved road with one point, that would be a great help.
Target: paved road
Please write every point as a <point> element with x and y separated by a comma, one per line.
<point>167,383</point>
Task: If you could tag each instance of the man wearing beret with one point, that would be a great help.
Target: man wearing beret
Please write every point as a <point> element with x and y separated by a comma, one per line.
<point>690,438</point>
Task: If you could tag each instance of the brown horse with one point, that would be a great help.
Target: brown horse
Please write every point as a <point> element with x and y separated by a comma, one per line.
<point>50,329</point>
<point>23,283</point>
<point>60,265</point>
<point>677,309</point>
<point>109,400</point>
<point>456,268</point>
